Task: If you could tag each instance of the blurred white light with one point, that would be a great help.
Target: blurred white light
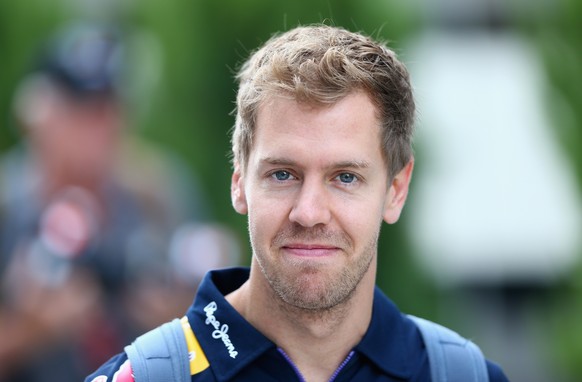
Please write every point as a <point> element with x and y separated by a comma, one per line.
<point>496,199</point>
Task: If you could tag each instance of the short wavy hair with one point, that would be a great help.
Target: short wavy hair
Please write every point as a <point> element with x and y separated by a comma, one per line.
<point>321,64</point>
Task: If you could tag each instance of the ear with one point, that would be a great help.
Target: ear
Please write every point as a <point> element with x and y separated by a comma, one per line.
<point>237,191</point>
<point>397,193</point>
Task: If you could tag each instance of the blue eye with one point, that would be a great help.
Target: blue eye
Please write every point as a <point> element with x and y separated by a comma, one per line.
<point>282,175</point>
<point>347,177</point>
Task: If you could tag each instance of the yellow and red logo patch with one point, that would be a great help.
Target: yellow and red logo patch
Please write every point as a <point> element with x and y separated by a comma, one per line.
<point>197,358</point>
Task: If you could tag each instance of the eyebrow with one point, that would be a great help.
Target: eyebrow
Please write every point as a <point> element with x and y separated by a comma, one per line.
<point>355,164</point>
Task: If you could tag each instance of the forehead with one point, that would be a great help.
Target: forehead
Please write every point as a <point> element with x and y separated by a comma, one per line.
<point>346,130</point>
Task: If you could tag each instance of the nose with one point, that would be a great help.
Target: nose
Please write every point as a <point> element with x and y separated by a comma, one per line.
<point>311,206</point>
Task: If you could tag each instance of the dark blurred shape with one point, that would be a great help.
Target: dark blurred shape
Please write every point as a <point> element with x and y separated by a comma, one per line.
<point>87,212</point>
<point>86,60</point>
<point>66,228</point>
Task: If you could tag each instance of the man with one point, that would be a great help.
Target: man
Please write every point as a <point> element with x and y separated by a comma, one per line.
<point>86,216</point>
<point>322,154</point>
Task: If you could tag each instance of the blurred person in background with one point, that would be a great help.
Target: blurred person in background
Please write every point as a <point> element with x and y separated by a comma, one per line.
<point>87,214</point>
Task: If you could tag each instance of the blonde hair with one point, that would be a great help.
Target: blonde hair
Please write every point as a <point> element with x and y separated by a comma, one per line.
<point>320,65</point>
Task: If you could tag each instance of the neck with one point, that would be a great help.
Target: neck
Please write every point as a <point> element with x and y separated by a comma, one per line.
<point>317,341</point>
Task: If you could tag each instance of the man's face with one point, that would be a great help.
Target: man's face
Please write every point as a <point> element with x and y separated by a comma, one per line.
<point>79,137</point>
<point>316,190</point>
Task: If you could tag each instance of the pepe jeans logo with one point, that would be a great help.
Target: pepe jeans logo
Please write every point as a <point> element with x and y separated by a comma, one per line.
<point>220,332</point>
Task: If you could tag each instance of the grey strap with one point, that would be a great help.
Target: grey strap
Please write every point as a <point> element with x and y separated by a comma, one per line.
<point>452,358</point>
<point>160,355</point>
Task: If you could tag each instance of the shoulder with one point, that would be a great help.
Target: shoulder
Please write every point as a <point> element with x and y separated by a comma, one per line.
<point>16,173</point>
<point>445,347</point>
<point>159,180</point>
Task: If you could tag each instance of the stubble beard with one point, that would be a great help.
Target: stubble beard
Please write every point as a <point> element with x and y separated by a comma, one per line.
<point>312,289</point>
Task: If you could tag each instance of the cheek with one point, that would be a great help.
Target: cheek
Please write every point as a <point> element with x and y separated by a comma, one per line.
<point>266,217</point>
<point>361,220</point>
<point>259,234</point>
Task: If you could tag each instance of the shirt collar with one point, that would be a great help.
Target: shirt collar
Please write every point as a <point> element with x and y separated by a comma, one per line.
<point>392,341</point>
<point>230,343</point>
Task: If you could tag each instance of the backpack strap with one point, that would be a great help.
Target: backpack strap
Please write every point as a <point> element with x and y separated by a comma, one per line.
<point>452,358</point>
<point>160,355</point>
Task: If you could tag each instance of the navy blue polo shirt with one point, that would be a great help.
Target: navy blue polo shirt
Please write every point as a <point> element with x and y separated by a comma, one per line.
<point>391,350</point>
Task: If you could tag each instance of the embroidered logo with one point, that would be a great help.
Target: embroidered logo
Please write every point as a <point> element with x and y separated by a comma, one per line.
<point>220,331</point>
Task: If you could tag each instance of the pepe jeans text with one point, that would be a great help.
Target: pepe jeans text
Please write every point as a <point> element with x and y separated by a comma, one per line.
<point>220,332</point>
